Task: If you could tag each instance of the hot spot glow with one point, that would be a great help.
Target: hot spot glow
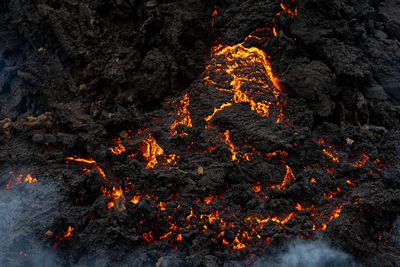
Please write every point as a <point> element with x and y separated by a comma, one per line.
<point>151,151</point>
<point>183,114</point>
<point>117,147</point>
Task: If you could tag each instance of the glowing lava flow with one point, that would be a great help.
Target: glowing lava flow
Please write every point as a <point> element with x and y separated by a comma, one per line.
<point>183,115</point>
<point>242,75</point>
<point>18,178</point>
<point>89,161</point>
<point>151,150</point>
<point>66,234</point>
<point>240,63</point>
<point>117,147</point>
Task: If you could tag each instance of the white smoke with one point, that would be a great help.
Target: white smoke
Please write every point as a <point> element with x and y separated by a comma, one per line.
<point>309,254</point>
<point>25,211</point>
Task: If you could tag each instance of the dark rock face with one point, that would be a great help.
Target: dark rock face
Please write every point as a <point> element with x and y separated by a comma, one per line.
<point>144,148</point>
<point>98,53</point>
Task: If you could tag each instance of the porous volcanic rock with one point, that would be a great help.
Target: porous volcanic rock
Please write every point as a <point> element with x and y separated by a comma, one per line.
<point>105,102</point>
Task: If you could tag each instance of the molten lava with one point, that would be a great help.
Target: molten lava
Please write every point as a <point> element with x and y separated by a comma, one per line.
<point>117,147</point>
<point>247,79</point>
<point>18,178</point>
<point>151,151</point>
<point>183,115</point>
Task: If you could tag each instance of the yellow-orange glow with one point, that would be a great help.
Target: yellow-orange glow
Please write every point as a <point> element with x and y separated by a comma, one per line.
<point>179,238</point>
<point>162,206</point>
<point>289,11</point>
<point>117,147</point>
<point>91,162</point>
<point>148,237</point>
<point>67,234</point>
<point>329,150</point>
<point>360,163</point>
<point>151,150</point>
<point>330,195</point>
<point>350,182</point>
<point>214,15</point>
<point>256,187</point>
<point>183,114</point>
<point>209,199</point>
<point>336,212</point>
<point>289,177</point>
<point>29,178</point>
<point>226,139</point>
<point>136,198</point>
<point>236,244</point>
<point>238,60</point>
<point>18,178</point>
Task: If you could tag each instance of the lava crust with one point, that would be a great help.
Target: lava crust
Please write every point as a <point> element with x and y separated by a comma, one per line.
<point>198,133</point>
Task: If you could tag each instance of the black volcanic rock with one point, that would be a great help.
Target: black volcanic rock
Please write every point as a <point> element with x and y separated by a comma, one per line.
<point>89,91</point>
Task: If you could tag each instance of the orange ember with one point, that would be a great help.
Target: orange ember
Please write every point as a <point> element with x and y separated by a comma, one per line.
<point>288,10</point>
<point>329,150</point>
<point>20,178</point>
<point>214,15</point>
<point>151,150</point>
<point>226,139</point>
<point>67,234</point>
<point>91,162</point>
<point>256,187</point>
<point>118,148</point>
<point>248,80</point>
<point>183,114</point>
<point>136,198</point>
<point>289,177</point>
<point>360,163</point>
<point>238,59</point>
<point>115,194</point>
<point>209,199</point>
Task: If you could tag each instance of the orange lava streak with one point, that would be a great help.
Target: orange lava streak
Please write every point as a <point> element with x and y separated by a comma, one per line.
<point>118,147</point>
<point>136,198</point>
<point>330,195</point>
<point>360,163</point>
<point>329,150</point>
<point>209,199</point>
<point>20,178</point>
<point>336,212</point>
<point>256,187</point>
<point>151,150</point>
<point>148,237</point>
<point>214,15</point>
<point>275,153</point>
<point>183,115</point>
<point>76,158</point>
<point>216,110</point>
<point>29,178</point>
<point>289,177</point>
<point>289,11</point>
<point>286,219</point>
<point>91,162</point>
<point>115,194</point>
<point>238,61</point>
<point>236,244</point>
<point>226,139</point>
<point>67,234</point>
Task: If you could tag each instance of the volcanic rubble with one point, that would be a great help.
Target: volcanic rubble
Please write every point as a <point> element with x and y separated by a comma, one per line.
<point>197,133</point>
